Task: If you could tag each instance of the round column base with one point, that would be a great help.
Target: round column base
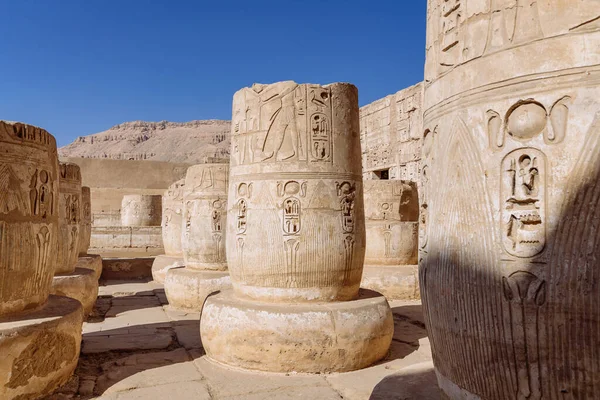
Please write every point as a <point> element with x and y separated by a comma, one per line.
<point>162,264</point>
<point>80,285</point>
<point>395,282</point>
<point>187,288</point>
<point>91,261</point>
<point>40,349</point>
<point>297,337</point>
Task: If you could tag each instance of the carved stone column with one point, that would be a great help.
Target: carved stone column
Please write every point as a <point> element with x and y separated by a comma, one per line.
<point>295,237</point>
<point>392,214</point>
<point>70,280</point>
<point>141,210</point>
<point>40,335</point>
<point>88,261</point>
<point>204,225</point>
<point>511,202</point>
<point>172,225</point>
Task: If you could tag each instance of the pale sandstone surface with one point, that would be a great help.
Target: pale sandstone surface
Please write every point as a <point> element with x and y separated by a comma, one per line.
<point>69,217</point>
<point>189,142</point>
<point>510,198</point>
<point>391,135</point>
<point>300,337</point>
<point>391,218</point>
<point>85,224</point>
<point>205,216</point>
<point>81,285</point>
<point>135,312</point>
<point>141,210</point>
<point>188,288</point>
<point>295,223</point>
<point>91,261</point>
<point>110,240</point>
<point>162,264</point>
<point>29,226</point>
<point>40,349</point>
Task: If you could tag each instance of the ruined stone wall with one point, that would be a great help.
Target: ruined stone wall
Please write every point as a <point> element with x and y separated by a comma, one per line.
<point>390,135</point>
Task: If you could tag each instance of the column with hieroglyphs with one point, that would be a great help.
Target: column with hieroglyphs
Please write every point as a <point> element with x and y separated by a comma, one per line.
<point>391,217</point>
<point>172,224</point>
<point>85,260</point>
<point>40,334</point>
<point>295,237</point>
<point>511,201</point>
<point>69,279</point>
<point>204,226</point>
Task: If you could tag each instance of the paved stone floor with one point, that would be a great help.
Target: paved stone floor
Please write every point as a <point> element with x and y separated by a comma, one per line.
<point>136,347</point>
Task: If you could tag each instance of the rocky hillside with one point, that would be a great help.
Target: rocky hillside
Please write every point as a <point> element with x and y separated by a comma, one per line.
<point>185,142</point>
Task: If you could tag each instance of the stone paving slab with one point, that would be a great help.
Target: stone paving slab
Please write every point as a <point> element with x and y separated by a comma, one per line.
<point>136,347</point>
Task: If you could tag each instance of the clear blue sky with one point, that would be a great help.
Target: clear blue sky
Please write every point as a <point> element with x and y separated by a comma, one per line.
<point>77,67</point>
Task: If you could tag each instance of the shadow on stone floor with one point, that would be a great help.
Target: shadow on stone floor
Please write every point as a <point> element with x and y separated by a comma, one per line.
<point>417,382</point>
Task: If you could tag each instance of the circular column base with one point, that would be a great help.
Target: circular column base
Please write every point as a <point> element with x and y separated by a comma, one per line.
<point>91,261</point>
<point>39,349</point>
<point>395,282</point>
<point>187,288</point>
<point>81,285</point>
<point>297,337</point>
<point>162,264</point>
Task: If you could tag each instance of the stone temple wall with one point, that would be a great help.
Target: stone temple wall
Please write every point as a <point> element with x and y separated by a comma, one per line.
<point>390,135</point>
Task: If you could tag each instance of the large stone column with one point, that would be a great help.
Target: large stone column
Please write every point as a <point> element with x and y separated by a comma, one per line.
<point>88,261</point>
<point>295,237</point>
<point>141,210</point>
<point>510,210</point>
<point>69,279</point>
<point>392,214</point>
<point>203,238</point>
<point>172,222</point>
<point>40,335</point>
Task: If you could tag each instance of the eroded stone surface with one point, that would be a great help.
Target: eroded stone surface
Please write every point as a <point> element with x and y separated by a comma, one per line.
<point>510,201</point>
<point>205,206</point>
<point>28,215</point>
<point>296,337</point>
<point>188,288</point>
<point>295,224</point>
<point>81,284</point>
<point>39,349</point>
<point>141,210</point>
<point>91,261</point>
<point>85,224</point>
<point>162,264</point>
<point>69,217</point>
<point>172,219</point>
<point>391,136</point>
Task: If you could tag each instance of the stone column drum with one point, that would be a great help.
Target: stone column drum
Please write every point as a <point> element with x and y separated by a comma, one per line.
<point>88,261</point>
<point>40,335</point>
<point>141,210</point>
<point>296,237</point>
<point>392,214</point>
<point>69,280</point>
<point>511,204</point>
<point>203,238</point>
<point>172,219</point>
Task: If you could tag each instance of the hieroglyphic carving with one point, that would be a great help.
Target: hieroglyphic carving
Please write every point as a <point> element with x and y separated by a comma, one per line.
<point>40,194</point>
<point>319,111</point>
<point>451,25</point>
<point>217,227</point>
<point>526,293</point>
<point>11,196</point>
<point>346,191</point>
<point>291,260</point>
<point>524,196</point>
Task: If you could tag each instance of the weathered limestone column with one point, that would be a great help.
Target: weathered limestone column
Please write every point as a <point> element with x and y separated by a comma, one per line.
<point>69,280</point>
<point>40,335</point>
<point>141,210</point>
<point>203,238</point>
<point>296,237</point>
<point>511,204</point>
<point>392,215</point>
<point>172,221</point>
<point>88,261</point>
